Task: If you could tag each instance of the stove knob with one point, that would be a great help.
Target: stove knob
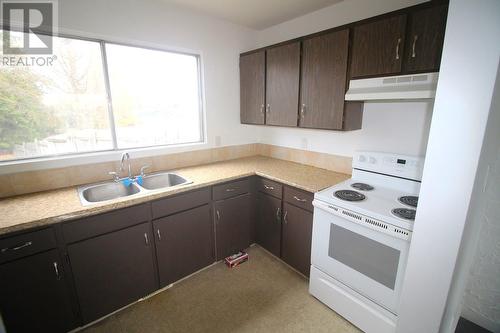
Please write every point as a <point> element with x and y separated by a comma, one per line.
<point>373,160</point>
<point>362,158</point>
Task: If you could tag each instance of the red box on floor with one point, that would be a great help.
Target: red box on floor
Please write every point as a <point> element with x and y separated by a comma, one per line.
<point>236,259</point>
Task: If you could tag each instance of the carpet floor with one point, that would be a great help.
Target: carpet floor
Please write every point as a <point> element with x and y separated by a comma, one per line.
<point>260,295</point>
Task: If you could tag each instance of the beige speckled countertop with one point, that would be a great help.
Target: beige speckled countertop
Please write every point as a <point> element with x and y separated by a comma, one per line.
<point>44,208</point>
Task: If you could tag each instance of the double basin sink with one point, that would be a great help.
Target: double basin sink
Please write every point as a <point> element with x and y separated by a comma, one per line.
<point>91,194</point>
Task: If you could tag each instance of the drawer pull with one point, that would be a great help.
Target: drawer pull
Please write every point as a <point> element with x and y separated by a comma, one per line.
<point>231,189</point>
<point>18,247</point>
<point>56,269</point>
<point>299,199</point>
<point>269,187</point>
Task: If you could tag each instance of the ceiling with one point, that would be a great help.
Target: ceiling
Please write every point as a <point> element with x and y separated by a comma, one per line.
<point>255,14</point>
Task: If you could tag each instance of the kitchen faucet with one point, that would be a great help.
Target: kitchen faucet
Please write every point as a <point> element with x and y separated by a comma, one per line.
<point>126,159</point>
<point>126,156</point>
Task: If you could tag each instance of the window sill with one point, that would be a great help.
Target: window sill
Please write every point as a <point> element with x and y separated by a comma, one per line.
<point>62,161</point>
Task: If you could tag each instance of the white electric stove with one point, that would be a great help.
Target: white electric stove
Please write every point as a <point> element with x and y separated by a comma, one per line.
<point>361,235</point>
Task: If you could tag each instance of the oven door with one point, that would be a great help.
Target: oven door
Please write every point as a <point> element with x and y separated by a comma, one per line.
<point>368,261</point>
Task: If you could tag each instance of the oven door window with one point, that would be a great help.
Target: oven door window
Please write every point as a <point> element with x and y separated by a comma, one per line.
<point>366,256</point>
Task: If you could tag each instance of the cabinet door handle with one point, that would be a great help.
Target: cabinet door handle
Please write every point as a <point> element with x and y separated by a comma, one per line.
<point>303,110</point>
<point>397,48</point>
<point>284,217</point>
<point>268,108</point>
<point>278,215</point>
<point>146,240</point>
<point>17,247</point>
<point>299,199</point>
<point>262,108</point>
<point>218,214</point>
<point>413,54</point>
<point>159,234</point>
<point>267,187</point>
<point>56,269</point>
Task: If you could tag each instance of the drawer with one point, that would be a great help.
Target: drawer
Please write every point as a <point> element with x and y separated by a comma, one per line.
<point>178,203</point>
<point>103,223</point>
<point>231,189</point>
<point>299,198</point>
<point>270,187</point>
<point>16,247</point>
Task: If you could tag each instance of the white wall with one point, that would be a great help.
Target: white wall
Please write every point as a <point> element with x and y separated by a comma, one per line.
<point>481,297</point>
<point>464,94</point>
<point>399,127</point>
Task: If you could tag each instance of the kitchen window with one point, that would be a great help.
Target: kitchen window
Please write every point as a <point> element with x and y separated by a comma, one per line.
<point>98,96</point>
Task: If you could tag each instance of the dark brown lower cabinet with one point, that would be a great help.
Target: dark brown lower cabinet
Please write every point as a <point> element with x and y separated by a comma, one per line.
<point>269,223</point>
<point>232,224</point>
<point>183,243</point>
<point>113,270</point>
<point>34,295</point>
<point>296,238</point>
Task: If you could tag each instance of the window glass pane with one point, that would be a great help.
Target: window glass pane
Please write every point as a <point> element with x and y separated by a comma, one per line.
<point>55,109</point>
<point>155,96</point>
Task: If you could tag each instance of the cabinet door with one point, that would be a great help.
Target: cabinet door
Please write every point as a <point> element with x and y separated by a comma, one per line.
<point>282,84</point>
<point>183,243</point>
<point>269,223</point>
<point>113,270</point>
<point>232,225</point>
<point>324,71</point>
<point>377,47</point>
<point>425,39</point>
<point>252,88</point>
<point>34,295</point>
<point>297,235</point>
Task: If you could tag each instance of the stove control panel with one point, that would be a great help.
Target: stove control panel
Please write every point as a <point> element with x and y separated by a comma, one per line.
<point>404,166</point>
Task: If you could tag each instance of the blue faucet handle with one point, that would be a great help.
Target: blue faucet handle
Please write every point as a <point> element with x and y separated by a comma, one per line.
<point>127,182</point>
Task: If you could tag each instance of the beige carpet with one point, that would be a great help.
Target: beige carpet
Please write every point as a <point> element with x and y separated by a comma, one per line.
<point>261,295</point>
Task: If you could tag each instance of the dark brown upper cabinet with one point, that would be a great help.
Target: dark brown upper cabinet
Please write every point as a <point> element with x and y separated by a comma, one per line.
<point>323,84</point>
<point>378,46</point>
<point>282,84</point>
<point>425,39</point>
<point>184,243</point>
<point>252,88</point>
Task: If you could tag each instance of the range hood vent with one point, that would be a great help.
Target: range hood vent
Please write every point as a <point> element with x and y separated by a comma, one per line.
<point>403,87</point>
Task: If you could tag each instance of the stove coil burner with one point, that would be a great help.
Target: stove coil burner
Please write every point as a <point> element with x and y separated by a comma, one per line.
<point>349,195</point>
<point>409,200</point>
<point>405,213</point>
<point>362,186</point>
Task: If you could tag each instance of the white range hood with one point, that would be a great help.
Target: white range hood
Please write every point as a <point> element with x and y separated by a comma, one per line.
<point>402,87</point>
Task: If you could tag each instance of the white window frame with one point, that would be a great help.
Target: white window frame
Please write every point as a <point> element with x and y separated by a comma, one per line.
<point>73,159</point>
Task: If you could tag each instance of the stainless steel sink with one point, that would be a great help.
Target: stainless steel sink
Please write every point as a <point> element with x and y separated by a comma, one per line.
<point>163,180</point>
<point>91,194</point>
<point>106,191</point>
